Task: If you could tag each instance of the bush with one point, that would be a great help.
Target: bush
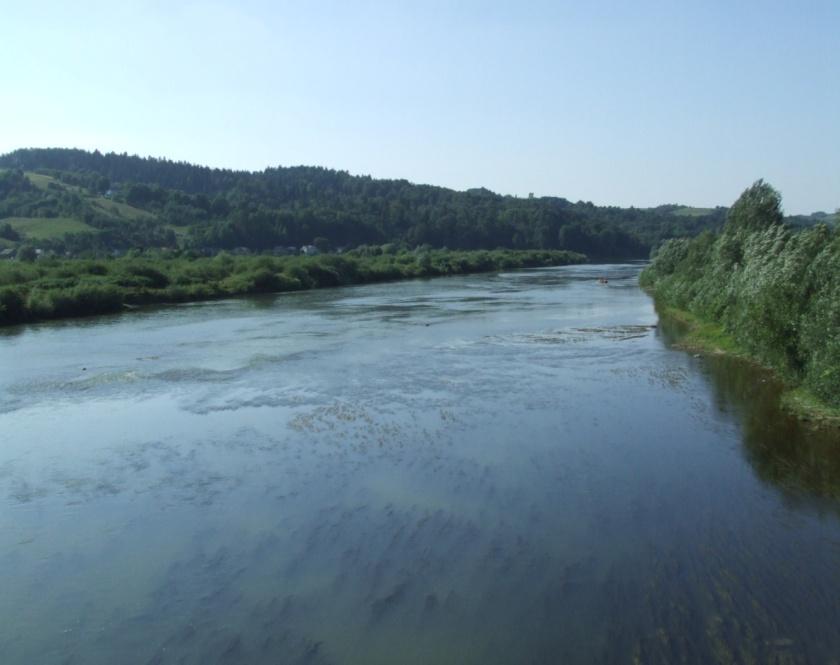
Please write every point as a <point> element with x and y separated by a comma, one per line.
<point>78,287</point>
<point>143,276</point>
<point>774,290</point>
<point>82,300</point>
<point>12,306</point>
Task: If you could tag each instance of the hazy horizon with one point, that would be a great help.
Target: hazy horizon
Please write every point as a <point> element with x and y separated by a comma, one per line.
<point>622,106</point>
<point>335,168</point>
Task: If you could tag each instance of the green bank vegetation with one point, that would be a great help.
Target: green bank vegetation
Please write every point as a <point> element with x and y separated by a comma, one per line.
<point>59,288</point>
<point>764,289</point>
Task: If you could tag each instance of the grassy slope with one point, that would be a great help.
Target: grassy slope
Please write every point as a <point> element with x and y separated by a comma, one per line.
<point>43,181</point>
<point>117,209</point>
<point>113,208</point>
<point>688,211</point>
<point>46,228</point>
<point>700,335</point>
<point>33,229</point>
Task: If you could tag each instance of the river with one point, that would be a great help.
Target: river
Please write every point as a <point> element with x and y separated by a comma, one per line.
<point>493,469</point>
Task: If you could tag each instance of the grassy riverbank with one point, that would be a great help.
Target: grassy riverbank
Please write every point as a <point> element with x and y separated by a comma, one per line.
<point>63,288</point>
<point>763,291</point>
<point>697,335</point>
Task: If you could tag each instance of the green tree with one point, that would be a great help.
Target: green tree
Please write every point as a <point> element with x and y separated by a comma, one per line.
<point>27,253</point>
<point>759,207</point>
<point>322,244</point>
<point>7,232</point>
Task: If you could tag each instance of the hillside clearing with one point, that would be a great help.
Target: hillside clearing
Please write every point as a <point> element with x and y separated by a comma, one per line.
<point>46,228</point>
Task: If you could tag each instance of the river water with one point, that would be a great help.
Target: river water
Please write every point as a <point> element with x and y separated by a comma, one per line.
<point>510,468</point>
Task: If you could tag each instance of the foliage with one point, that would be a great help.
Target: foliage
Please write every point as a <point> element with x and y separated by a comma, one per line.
<point>757,208</point>
<point>7,232</point>
<point>223,209</point>
<point>27,253</point>
<point>58,288</point>
<point>774,290</point>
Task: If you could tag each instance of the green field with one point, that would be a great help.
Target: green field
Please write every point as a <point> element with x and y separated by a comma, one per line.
<point>108,206</point>
<point>118,209</point>
<point>41,181</point>
<point>688,211</point>
<point>46,228</point>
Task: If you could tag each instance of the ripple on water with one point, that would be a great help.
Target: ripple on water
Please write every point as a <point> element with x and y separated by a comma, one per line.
<point>536,478</point>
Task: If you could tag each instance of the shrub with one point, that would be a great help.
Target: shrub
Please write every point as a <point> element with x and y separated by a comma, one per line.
<point>774,290</point>
<point>12,306</point>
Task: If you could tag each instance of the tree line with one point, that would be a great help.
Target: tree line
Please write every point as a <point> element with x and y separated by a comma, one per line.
<point>220,208</point>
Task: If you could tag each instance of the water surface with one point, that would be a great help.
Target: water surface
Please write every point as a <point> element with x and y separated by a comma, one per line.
<point>511,468</point>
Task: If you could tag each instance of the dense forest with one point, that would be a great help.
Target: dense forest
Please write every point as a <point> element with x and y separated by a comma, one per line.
<point>112,201</point>
<point>774,290</point>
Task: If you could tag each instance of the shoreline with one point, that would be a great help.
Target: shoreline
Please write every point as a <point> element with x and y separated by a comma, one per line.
<point>693,334</point>
<point>68,289</point>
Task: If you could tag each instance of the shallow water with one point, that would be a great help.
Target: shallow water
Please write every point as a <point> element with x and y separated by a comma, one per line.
<point>489,469</point>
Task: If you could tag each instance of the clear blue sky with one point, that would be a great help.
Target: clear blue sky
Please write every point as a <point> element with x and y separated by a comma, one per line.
<point>625,103</point>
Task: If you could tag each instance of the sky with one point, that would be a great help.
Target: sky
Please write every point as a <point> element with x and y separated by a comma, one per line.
<point>619,103</point>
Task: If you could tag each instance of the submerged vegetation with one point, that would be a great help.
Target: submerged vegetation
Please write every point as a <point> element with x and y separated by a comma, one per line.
<point>59,288</point>
<point>771,291</point>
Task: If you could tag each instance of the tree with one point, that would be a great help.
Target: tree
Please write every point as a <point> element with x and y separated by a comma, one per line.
<point>27,253</point>
<point>7,232</point>
<point>759,207</point>
<point>322,245</point>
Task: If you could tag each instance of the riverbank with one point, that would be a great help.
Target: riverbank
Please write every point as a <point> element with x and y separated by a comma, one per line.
<point>766,288</point>
<point>68,288</point>
<point>693,334</point>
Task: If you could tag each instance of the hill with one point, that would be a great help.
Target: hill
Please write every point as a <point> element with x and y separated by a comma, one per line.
<point>90,201</point>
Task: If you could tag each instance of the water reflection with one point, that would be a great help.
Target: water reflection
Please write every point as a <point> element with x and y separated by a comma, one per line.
<point>800,459</point>
<point>532,477</point>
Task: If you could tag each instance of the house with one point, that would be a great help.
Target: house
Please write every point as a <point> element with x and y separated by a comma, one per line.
<point>280,250</point>
<point>309,250</point>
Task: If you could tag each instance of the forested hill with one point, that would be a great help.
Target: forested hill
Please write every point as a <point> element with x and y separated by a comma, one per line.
<point>73,200</point>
